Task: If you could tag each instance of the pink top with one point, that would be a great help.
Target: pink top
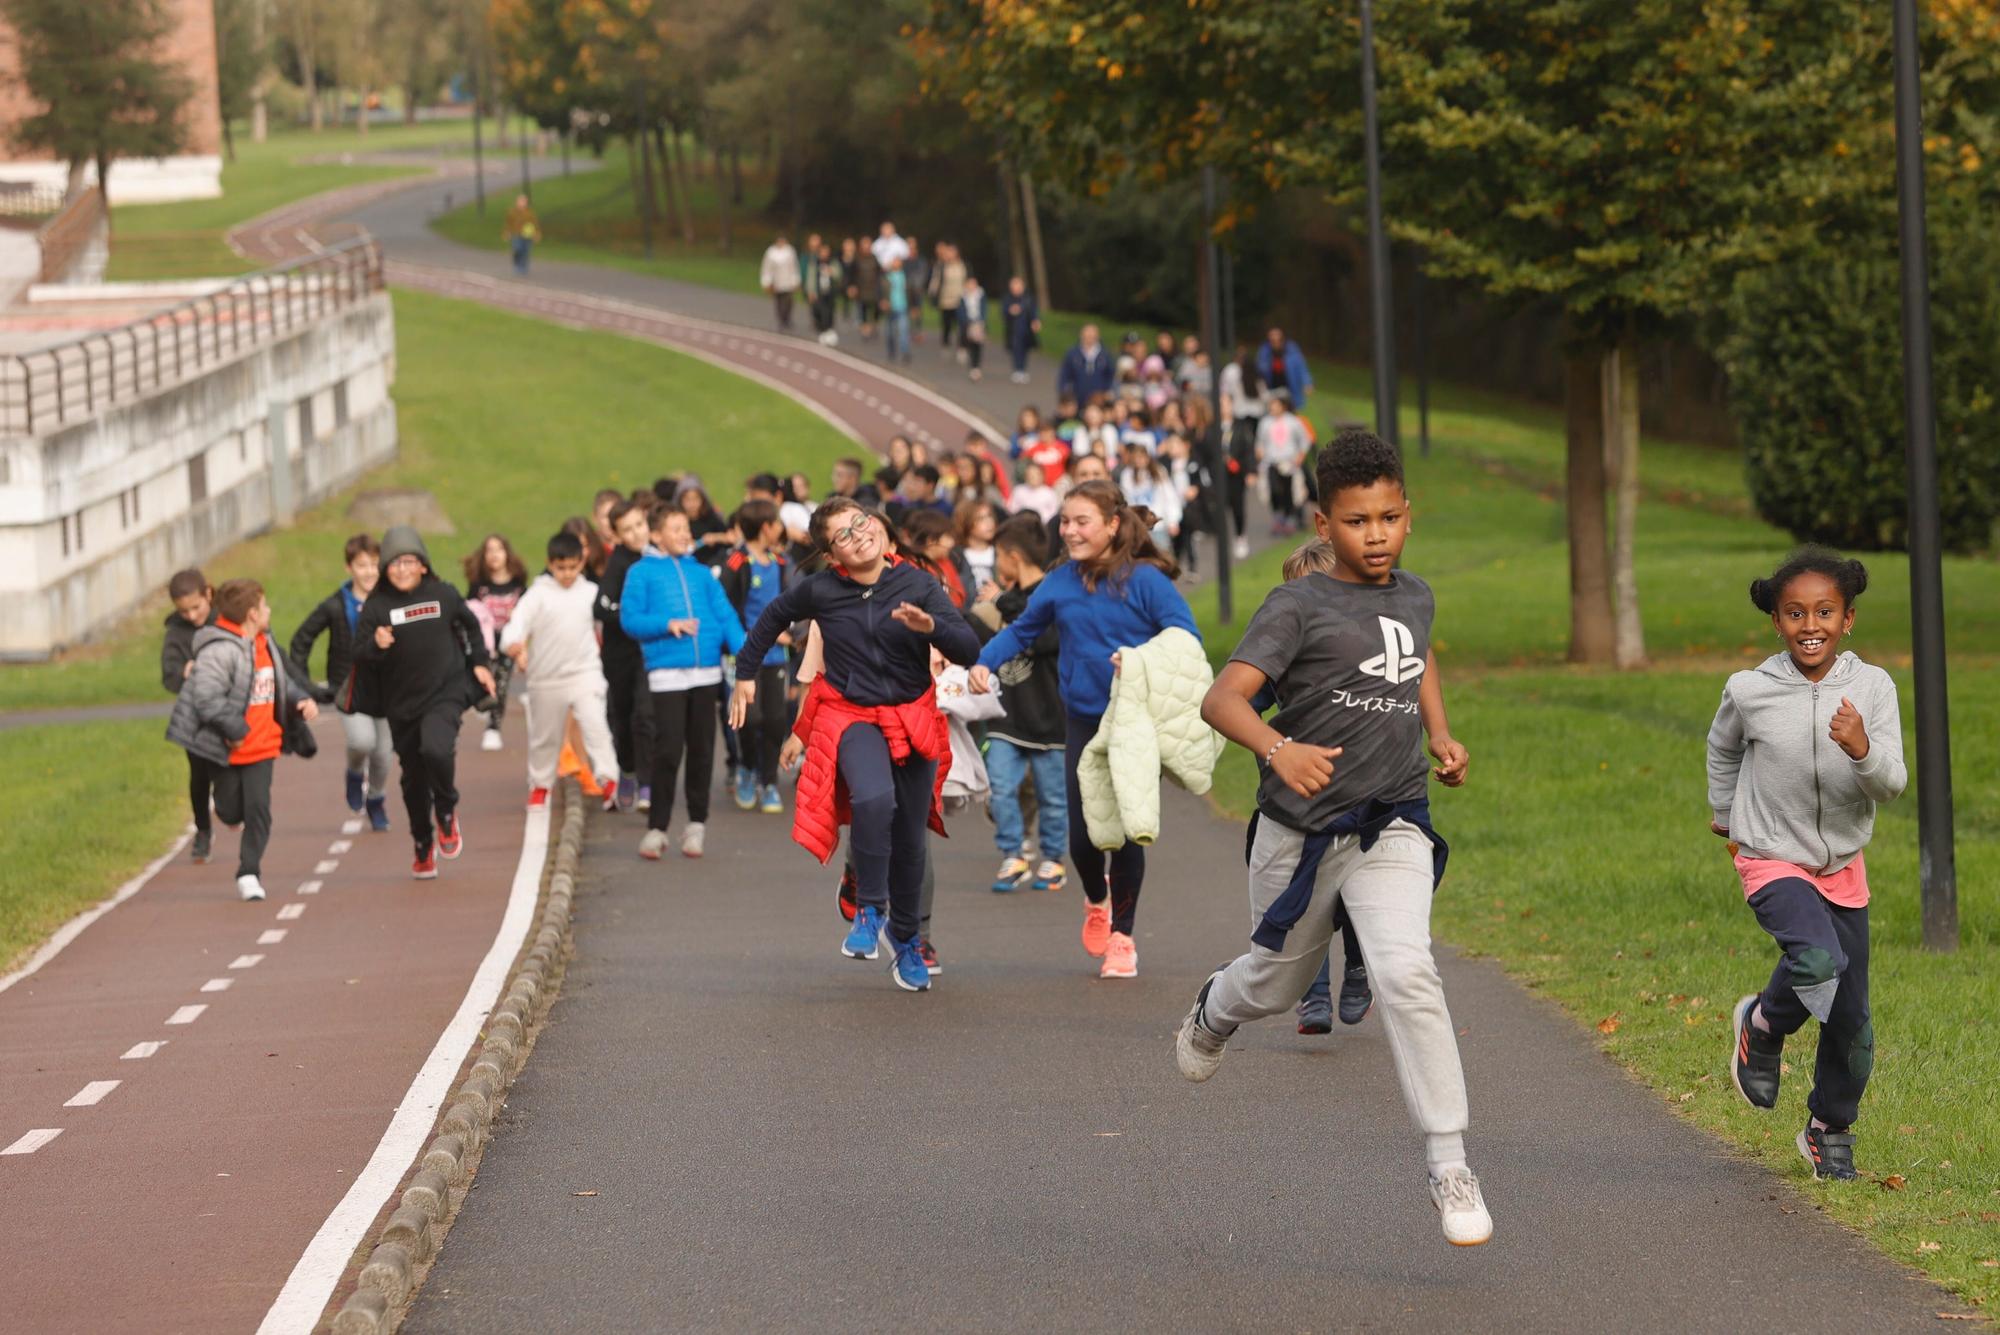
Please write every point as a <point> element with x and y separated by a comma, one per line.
<point>1846,888</point>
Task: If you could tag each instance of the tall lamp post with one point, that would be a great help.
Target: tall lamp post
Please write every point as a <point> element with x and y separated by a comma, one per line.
<point>1937,863</point>
<point>1378,242</point>
<point>1225,602</point>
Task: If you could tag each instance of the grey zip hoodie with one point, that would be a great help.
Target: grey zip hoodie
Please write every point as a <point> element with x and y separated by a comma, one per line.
<point>1778,782</point>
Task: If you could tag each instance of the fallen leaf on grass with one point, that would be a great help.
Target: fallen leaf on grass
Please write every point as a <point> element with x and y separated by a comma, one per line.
<point>1906,1130</point>
<point>1609,1024</point>
<point>1685,1097</point>
<point>1895,1182</point>
<point>583,1193</point>
<point>1930,1246</point>
<point>1991,1263</point>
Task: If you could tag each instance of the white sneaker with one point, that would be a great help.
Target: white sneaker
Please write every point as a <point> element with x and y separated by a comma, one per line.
<point>1456,1196</point>
<point>492,741</point>
<point>1196,1050</point>
<point>654,844</point>
<point>691,839</point>
<point>249,889</point>
<point>1242,549</point>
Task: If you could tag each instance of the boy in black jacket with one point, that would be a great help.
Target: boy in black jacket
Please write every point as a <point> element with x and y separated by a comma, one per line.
<point>628,704</point>
<point>194,608</point>
<point>1029,740</point>
<point>369,746</point>
<point>412,642</point>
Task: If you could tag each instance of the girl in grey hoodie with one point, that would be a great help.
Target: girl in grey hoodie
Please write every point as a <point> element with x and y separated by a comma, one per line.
<point>1802,749</point>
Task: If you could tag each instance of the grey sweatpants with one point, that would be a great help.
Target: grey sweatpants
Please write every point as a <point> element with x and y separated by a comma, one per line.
<point>368,747</point>
<point>1387,891</point>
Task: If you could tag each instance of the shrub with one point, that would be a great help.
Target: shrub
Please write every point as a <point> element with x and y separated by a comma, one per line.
<point>1815,360</point>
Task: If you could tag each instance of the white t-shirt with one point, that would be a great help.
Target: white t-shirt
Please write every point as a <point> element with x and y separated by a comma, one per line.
<point>890,247</point>
<point>795,516</point>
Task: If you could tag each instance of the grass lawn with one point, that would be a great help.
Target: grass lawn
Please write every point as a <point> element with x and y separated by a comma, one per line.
<point>1581,855</point>
<point>493,412</point>
<point>185,239</point>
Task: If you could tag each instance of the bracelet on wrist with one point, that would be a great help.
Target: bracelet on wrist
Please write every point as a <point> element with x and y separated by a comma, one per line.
<point>1275,748</point>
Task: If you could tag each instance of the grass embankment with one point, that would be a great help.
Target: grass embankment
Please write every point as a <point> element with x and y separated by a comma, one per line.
<point>185,239</point>
<point>513,424</point>
<point>1582,859</point>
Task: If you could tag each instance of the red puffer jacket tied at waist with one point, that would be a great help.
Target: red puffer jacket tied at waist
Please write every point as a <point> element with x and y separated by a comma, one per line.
<point>822,807</point>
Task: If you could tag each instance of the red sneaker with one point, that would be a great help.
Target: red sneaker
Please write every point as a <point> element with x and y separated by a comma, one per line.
<point>928,954</point>
<point>425,868</point>
<point>611,795</point>
<point>450,842</point>
<point>1096,928</point>
<point>849,894</point>
<point>538,799</point>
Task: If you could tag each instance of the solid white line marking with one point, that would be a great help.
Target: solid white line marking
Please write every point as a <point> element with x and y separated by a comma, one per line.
<point>218,984</point>
<point>304,1297</point>
<point>91,1094</point>
<point>186,1015</point>
<point>33,1141</point>
<point>340,846</point>
<point>310,887</point>
<point>246,961</point>
<point>72,929</point>
<point>350,827</point>
<point>291,912</point>
<point>325,866</point>
<point>141,1051</point>
<point>271,937</point>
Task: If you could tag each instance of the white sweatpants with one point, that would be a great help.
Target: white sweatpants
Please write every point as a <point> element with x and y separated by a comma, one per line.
<point>1387,891</point>
<point>549,703</point>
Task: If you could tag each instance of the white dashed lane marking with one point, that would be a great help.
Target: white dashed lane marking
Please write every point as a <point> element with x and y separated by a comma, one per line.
<point>246,961</point>
<point>33,1141</point>
<point>186,1014</point>
<point>90,1094</point>
<point>141,1051</point>
<point>310,887</point>
<point>271,937</point>
<point>326,866</point>
<point>350,827</point>
<point>339,846</point>
<point>218,984</point>
<point>291,912</point>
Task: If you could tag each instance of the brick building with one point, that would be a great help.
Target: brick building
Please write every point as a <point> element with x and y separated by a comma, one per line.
<point>195,173</point>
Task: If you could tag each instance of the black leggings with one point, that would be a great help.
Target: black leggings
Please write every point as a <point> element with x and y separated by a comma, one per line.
<point>1825,959</point>
<point>243,797</point>
<point>630,709</point>
<point>763,732</point>
<point>1127,865</point>
<point>683,721</point>
<point>427,747</point>
<point>201,783</point>
<point>890,837</point>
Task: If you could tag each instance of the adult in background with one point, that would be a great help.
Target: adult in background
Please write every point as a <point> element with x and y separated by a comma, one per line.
<point>779,276</point>
<point>917,271</point>
<point>1024,325</point>
<point>521,231</point>
<point>1244,399</point>
<point>826,280</point>
<point>1283,366</point>
<point>972,327</point>
<point>1086,368</point>
<point>889,245</point>
<point>948,291</point>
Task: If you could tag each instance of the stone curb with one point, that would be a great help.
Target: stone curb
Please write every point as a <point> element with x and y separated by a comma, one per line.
<point>406,1244</point>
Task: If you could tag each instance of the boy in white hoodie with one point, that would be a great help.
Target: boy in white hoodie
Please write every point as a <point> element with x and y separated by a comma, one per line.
<point>553,622</point>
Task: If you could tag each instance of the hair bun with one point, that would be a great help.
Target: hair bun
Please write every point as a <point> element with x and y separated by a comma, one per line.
<point>1857,579</point>
<point>1762,596</point>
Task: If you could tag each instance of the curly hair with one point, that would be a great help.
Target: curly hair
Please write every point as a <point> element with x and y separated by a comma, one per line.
<point>1356,458</point>
<point>1848,575</point>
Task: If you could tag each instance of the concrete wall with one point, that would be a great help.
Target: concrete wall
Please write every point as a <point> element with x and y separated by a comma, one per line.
<point>96,516</point>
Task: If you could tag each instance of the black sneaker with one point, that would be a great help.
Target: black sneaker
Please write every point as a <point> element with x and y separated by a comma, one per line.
<point>1753,1063</point>
<point>1829,1153</point>
<point>1356,997</point>
<point>1316,1013</point>
<point>198,852</point>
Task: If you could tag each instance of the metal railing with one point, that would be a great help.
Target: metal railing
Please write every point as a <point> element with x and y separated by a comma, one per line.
<point>30,203</point>
<point>52,387</point>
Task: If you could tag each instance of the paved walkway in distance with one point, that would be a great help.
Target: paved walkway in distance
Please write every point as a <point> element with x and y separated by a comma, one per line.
<point>727,1126</point>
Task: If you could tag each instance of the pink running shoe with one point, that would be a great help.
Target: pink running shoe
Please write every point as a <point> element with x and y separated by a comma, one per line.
<point>1121,958</point>
<point>1096,928</point>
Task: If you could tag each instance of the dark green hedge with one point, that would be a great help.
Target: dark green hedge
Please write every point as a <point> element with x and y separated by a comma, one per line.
<point>1814,356</point>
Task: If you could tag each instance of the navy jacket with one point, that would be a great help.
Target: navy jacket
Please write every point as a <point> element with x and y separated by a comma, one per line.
<point>871,659</point>
<point>1085,381</point>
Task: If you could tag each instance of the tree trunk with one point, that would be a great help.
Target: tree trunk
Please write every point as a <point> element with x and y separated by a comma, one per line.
<point>669,190</point>
<point>79,178</point>
<point>722,204</point>
<point>361,112</point>
<point>317,112</point>
<point>687,190</point>
<point>1590,621</point>
<point>1621,426</point>
<point>1031,218</point>
<point>645,192</point>
<point>735,175</point>
<point>1017,242</point>
<point>410,94</point>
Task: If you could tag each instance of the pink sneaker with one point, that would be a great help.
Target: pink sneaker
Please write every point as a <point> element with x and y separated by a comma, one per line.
<point>1096,927</point>
<point>1121,958</point>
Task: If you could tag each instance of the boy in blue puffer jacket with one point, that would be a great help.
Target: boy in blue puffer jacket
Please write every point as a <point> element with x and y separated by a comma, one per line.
<point>681,618</point>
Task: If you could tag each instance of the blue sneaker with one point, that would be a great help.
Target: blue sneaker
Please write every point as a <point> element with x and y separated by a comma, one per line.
<point>910,971</point>
<point>746,790</point>
<point>773,803</point>
<point>378,813</point>
<point>357,788</point>
<point>864,940</point>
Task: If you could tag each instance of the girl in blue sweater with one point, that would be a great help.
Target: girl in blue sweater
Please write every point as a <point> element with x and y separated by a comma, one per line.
<point>674,607</point>
<point>1116,589</point>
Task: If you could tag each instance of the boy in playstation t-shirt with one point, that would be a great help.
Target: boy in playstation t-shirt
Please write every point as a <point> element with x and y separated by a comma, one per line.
<point>1342,809</point>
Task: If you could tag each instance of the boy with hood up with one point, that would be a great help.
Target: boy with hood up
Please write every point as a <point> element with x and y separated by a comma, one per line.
<point>412,642</point>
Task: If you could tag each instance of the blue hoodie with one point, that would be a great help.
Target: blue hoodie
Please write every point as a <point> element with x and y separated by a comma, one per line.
<point>1094,626</point>
<point>662,588</point>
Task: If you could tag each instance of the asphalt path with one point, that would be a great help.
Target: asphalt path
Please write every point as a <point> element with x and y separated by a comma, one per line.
<point>728,1126</point>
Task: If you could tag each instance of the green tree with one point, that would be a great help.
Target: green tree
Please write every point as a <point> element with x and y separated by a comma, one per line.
<point>101,84</point>
<point>241,58</point>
